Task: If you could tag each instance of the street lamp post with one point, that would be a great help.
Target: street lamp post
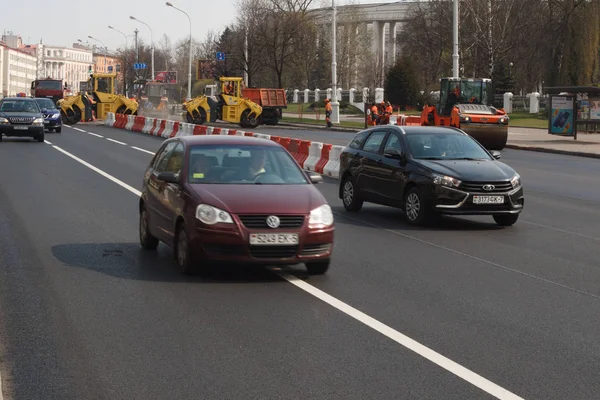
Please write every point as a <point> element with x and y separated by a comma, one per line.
<point>125,59</point>
<point>455,69</point>
<point>151,41</point>
<point>335,106</point>
<point>189,91</point>
<point>105,48</point>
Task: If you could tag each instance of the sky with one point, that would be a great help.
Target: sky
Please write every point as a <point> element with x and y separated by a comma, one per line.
<point>63,22</point>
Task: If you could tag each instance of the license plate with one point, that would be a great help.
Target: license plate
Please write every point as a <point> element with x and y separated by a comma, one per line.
<point>46,122</point>
<point>488,199</point>
<point>21,128</point>
<point>265,239</point>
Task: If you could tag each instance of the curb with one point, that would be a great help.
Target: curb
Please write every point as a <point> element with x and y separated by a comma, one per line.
<point>553,151</point>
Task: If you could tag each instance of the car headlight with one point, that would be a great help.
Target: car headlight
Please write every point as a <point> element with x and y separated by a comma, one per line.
<point>212,215</point>
<point>321,217</point>
<point>38,121</point>
<point>55,116</point>
<point>504,120</point>
<point>516,181</point>
<point>3,121</point>
<point>465,118</point>
<point>447,181</point>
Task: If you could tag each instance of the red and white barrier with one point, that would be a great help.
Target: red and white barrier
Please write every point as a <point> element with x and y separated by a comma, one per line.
<point>323,158</point>
<point>314,155</point>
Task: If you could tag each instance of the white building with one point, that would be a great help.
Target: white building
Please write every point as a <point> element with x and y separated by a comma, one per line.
<point>17,69</point>
<point>69,64</point>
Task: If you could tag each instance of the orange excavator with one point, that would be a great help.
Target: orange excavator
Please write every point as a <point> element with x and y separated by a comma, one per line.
<point>466,103</point>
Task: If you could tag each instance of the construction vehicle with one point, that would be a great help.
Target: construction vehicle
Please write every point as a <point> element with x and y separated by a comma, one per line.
<point>101,100</point>
<point>228,106</point>
<point>49,88</point>
<point>272,101</point>
<point>466,103</point>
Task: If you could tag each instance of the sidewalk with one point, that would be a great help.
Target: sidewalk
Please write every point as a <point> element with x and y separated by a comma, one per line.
<point>586,145</point>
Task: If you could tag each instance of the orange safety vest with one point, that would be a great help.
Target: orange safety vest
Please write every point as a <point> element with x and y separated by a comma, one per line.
<point>328,107</point>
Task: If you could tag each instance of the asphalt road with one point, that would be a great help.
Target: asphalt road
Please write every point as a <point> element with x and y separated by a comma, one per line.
<point>86,314</point>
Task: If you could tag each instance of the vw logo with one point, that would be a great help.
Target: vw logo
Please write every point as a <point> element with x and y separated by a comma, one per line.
<point>489,187</point>
<point>273,221</point>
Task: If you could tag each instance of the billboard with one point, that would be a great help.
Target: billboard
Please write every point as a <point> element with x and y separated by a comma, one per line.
<point>166,76</point>
<point>205,69</point>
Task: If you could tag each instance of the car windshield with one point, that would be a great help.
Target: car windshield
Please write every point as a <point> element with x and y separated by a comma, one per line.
<point>49,85</point>
<point>243,164</point>
<point>436,146</point>
<point>28,106</point>
<point>46,103</point>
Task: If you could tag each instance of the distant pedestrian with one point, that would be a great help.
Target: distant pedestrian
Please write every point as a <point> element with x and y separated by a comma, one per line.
<point>328,110</point>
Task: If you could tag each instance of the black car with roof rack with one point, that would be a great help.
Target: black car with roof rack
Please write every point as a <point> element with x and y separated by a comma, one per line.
<point>21,117</point>
<point>427,170</point>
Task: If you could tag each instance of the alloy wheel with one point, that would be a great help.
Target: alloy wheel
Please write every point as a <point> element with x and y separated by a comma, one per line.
<point>348,193</point>
<point>413,206</point>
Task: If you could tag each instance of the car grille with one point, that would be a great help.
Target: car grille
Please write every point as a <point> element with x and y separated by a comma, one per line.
<point>273,251</point>
<point>477,187</point>
<point>315,249</point>
<point>21,120</point>
<point>260,221</point>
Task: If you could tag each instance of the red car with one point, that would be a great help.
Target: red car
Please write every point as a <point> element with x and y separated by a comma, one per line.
<point>234,199</point>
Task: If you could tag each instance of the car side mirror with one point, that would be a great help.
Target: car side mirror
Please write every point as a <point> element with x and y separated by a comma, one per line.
<point>496,154</point>
<point>169,177</point>
<point>394,154</point>
<point>315,177</point>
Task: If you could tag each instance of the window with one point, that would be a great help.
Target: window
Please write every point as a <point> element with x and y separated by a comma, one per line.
<point>160,162</point>
<point>373,143</point>
<point>27,106</point>
<point>243,164</point>
<point>358,140</point>
<point>176,160</point>
<point>393,143</point>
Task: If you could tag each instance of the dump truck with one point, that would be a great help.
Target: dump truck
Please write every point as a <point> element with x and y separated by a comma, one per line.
<point>466,103</point>
<point>101,100</point>
<point>49,88</point>
<point>228,106</point>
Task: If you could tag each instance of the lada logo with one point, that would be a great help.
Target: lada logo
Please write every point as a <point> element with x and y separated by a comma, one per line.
<point>489,187</point>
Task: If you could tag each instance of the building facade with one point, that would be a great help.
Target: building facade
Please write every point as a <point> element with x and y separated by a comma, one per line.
<point>17,70</point>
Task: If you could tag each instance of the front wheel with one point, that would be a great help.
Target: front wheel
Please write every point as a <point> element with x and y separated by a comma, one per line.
<point>248,119</point>
<point>183,252</point>
<point>71,116</point>
<point>350,198</point>
<point>414,207</point>
<point>506,219</point>
<point>40,138</point>
<point>317,267</point>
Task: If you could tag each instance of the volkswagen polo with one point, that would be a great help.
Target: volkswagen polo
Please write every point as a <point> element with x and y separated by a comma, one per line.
<point>234,199</point>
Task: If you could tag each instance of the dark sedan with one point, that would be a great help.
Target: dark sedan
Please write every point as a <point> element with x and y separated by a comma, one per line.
<point>21,117</point>
<point>53,121</point>
<point>233,199</point>
<point>427,171</point>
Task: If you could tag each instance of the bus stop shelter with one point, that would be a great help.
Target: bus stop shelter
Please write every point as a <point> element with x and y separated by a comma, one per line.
<point>572,106</point>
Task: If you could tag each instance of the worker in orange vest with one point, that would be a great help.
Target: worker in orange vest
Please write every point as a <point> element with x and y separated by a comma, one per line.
<point>374,114</point>
<point>389,110</point>
<point>328,110</point>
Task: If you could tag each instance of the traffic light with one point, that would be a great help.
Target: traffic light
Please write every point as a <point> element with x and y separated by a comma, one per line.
<point>89,69</point>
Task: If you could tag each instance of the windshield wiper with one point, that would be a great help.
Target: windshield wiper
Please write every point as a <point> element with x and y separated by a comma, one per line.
<point>467,158</point>
<point>432,158</point>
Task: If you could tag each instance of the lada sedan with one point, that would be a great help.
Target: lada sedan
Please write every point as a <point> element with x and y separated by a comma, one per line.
<point>428,170</point>
<point>233,199</point>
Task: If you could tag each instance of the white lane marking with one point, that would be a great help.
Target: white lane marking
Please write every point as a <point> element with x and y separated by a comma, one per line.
<point>145,151</point>
<point>47,142</point>
<point>411,344</point>
<point>561,230</point>
<point>98,170</point>
<point>423,351</point>
<point>80,130</point>
<point>116,141</point>
<point>94,134</point>
<point>460,253</point>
